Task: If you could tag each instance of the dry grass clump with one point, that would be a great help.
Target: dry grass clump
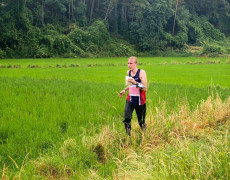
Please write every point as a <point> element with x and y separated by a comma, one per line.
<point>185,122</point>
<point>213,62</point>
<point>33,66</point>
<point>174,62</point>
<point>228,62</point>
<point>164,63</point>
<point>44,167</point>
<point>136,167</point>
<point>73,65</point>
<point>164,128</point>
<point>48,168</point>
<point>4,177</point>
<point>144,156</point>
<point>68,148</point>
<point>100,151</point>
<point>103,143</point>
<point>17,66</point>
<point>197,62</point>
<point>10,66</point>
<point>185,161</point>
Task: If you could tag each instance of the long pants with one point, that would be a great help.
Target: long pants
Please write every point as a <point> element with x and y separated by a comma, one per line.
<point>140,111</point>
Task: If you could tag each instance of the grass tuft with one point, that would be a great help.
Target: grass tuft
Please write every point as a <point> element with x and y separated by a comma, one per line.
<point>100,151</point>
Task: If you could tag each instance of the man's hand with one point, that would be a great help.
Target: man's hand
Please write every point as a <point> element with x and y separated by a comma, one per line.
<point>122,93</point>
<point>131,80</point>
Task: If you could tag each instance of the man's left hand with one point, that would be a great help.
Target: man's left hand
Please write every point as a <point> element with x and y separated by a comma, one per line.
<point>131,80</point>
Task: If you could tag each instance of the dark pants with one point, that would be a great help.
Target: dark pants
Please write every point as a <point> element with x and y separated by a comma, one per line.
<point>140,111</point>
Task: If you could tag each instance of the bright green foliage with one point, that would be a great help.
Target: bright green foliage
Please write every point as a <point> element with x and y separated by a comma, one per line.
<point>80,38</point>
<point>211,32</point>
<point>62,44</point>
<point>98,33</point>
<point>119,48</point>
<point>213,49</point>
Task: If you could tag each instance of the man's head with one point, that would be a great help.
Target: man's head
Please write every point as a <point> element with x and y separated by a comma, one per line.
<point>132,63</point>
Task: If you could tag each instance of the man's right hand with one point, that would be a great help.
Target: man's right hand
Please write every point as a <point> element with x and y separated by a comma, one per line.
<point>122,93</point>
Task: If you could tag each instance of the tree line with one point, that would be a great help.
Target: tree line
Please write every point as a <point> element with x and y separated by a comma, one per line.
<point>70,28</point>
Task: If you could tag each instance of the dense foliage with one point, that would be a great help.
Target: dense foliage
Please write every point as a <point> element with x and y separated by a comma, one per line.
<point>47,28</point>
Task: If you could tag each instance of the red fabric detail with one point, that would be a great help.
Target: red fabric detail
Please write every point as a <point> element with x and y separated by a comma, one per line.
<point>143,97</point>
<point>128,97</point>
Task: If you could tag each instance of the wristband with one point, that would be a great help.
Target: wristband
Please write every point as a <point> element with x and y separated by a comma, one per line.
<point>140,85</point>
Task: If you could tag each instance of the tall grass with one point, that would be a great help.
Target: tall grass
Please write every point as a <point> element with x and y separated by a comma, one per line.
<point>180,145</point>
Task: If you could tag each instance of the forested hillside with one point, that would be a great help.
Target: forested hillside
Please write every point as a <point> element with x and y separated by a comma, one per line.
<point>84,28</point>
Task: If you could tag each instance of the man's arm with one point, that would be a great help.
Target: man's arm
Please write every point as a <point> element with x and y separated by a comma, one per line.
<point>143,78</point>
<point>122,93</point>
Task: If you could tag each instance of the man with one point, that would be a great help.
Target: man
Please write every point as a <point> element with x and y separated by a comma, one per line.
<point>136,98</point>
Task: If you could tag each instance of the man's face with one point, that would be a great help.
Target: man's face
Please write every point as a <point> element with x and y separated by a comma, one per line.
<point>131,64</point>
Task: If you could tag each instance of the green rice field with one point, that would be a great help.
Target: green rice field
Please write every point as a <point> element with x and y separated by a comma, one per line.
<point>62,119</point>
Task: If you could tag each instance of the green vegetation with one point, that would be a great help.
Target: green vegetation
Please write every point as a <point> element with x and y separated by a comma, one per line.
<point>113,28</point>
<point>61,118</point>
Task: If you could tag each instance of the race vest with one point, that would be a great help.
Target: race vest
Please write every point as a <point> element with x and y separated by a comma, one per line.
<point>135,95</point>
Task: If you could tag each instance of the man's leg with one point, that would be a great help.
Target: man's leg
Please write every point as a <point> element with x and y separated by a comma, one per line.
<point>128,116</point>
<point>141,112</point>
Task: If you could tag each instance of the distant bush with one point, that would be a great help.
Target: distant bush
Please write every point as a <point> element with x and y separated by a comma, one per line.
<point>211,32</point>
<point>213,49</point>
<point>92,48</point>
<point>117,47</point>
<point>179,40</point>
<point>123,50</point>
<point>98,33</point>
<point>9,52</point>
<point>77,50</point>
<point>90,41</point>
<point>79,38</point>
<point>194,33</point>
<point>62,44</point>
<point>43,52</point>
<point>2,54</point>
